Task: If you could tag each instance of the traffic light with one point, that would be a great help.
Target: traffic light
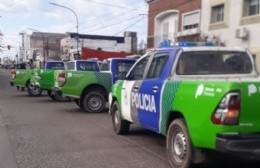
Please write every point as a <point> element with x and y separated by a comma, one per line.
<point>8,47</point>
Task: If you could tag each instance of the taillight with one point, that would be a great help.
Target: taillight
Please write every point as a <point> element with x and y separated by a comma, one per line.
<point>61,79</point>
<point>13,73</point>
<point>227,112</point>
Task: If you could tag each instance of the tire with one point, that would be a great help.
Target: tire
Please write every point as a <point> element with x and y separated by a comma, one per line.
<point>178,145</point>
<point>49,92</point>
<point>34,90</point>
<point>61,98</point>
<point>93,102</point>
<point>120,126</point>
<point>77,101</point>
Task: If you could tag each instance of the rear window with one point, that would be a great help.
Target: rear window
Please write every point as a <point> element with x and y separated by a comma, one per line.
<point>71,65</point>
<point>124,66</point>
<point>105,66</point>
<point>220,62</point>
<point>86,66</point>
<point>55,65</point>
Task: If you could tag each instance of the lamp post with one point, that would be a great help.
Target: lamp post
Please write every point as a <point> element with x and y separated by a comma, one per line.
<point>77,26</point>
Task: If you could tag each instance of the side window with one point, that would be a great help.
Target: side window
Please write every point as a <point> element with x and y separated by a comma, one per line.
<point>138,70</point>
<point>157,65</point>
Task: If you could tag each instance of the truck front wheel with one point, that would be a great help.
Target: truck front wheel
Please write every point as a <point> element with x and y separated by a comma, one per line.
<point>179,148</point>
<point>93,102</point>
<point>120,126</point>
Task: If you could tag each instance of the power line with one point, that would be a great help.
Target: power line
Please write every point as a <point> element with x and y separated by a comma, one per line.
<point>129,26</point>
<point>114,24</point>
<point>98,22</point>
<point>117,6</point>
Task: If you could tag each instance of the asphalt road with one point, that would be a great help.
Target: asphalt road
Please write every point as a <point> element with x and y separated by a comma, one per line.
<point>36,132</point>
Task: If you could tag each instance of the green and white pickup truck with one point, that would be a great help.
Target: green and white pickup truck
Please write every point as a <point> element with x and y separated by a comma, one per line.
<point>27,78</point>
<point>89,89</point>
<point>200,98</point>
<point>44,79</point>
<point>21,78</point>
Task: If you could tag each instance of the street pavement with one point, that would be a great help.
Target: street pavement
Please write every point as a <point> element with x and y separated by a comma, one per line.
<point>36,132</point>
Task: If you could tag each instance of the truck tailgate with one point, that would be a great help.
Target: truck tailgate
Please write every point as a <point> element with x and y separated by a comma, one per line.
<point>250,106</point>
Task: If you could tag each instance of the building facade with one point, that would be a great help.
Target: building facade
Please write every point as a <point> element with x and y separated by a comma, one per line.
<point>233,23</point>
<point>46,46</point>
<point>69,44</point>
<point>24,54</point>
<point>173,20</point>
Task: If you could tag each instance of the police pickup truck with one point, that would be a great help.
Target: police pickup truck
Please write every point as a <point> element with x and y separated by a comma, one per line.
<point>88,89</point>
<point>26,78</point>
<point>44,79</point>
<point>201,98</point>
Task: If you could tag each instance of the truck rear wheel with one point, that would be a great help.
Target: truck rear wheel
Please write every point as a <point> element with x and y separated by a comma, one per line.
<point>178,146</point>
<point>93,102</point>
<point>120,126</point>
<point>34,90</point>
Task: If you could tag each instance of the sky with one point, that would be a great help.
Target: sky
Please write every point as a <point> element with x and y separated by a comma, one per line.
<point>97,17</point>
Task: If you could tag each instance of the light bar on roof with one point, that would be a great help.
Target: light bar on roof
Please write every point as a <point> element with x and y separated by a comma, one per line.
<point>185,44</point>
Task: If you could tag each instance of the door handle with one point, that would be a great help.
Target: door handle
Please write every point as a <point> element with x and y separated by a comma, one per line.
<point>155,89</point>
<point>136,87</point>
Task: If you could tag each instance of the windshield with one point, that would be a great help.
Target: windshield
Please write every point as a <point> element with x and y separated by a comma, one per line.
<point>213,62</point>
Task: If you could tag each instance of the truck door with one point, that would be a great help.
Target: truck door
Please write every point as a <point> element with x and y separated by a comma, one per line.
<point>150,91</point>
<point>130,89</point>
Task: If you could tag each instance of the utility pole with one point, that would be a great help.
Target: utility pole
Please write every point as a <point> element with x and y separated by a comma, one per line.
<point>77,26</point>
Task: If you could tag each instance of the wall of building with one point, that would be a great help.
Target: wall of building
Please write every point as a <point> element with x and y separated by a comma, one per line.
<point>178,8</point>
<point>45,46</point>
<point>234,21</point>
<point>101,55</point>
<point>126,44</point>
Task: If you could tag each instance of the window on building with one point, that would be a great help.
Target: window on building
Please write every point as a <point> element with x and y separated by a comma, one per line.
<point>191,20</point>
<point>251,7</point>
<point>165,29</point>
<point>217,13</point>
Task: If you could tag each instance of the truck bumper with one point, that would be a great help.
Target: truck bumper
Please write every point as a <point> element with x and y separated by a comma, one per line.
<point>12,83</point>
<point>247,145</point>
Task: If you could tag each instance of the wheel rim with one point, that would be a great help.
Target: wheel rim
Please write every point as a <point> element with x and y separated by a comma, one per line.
<point>116,117</point>
<point>179,146</point>
<point>94,102</point>
<point>34,90</point>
